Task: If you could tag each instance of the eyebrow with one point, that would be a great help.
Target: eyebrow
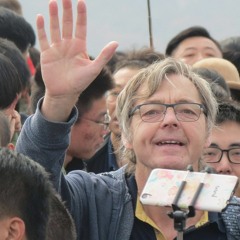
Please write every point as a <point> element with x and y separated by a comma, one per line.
<point>162,102</point>
<point>194,48</point>
<point>230,146</point>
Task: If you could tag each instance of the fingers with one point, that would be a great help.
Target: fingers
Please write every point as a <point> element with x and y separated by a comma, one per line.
<point>67,21</point>
<point>42,37</point>
<point>14,122</point>
<point>54,22</point>
<point>106,54</point>
<point>81,25</point>
<point>12,127</point>
<point>18,124</point>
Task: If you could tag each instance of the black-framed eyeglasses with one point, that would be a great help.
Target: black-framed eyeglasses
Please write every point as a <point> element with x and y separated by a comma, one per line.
<point>214,155</point>
<point>104,123</point>
<point>155,112</point>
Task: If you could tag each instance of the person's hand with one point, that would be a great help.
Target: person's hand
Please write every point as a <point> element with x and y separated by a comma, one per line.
<point>66,67</point>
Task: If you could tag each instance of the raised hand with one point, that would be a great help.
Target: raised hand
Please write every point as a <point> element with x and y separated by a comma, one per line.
<point>66,67</point>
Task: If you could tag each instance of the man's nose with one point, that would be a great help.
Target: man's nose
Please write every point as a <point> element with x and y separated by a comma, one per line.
<point>224,166</point>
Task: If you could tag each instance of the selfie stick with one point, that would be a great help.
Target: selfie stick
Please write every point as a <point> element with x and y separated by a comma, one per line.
<point>179,215</point>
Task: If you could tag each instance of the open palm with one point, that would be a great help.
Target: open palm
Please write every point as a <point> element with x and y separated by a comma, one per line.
<point>66,67</point>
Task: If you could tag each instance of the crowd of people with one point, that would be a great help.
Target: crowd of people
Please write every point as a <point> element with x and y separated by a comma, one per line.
<point>80,135</point>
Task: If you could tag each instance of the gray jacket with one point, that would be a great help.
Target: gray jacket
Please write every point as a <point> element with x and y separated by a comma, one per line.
<point>100,204</point>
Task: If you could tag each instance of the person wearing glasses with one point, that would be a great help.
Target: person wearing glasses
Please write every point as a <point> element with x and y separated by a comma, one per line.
<point>166,113</point>
<point>223,154</point>
<point>89,130</point>
<point>107,158</point>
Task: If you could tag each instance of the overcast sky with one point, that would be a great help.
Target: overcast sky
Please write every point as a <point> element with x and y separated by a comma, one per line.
<point>126,21</point>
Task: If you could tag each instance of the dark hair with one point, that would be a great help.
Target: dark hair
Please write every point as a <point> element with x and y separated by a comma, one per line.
<point>25,192</point>
<point>117,56</point>
<point>213,76</point>
<point>16,29</point>
<point>233,57</point>
<point>195,31</point>
<point>231,50</point>
<point>138,59</point>
<point>10,50</point>
<point>5,133</point>
<point>61,225</point>
<point>231,44</point>
<point>228,111</point>
<point>10,84</point>
<point>97,89</point>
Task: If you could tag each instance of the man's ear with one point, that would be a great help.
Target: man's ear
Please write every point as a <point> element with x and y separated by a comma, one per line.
<point>16,229</point>
<point>11,146</point>
<point>127,144</point>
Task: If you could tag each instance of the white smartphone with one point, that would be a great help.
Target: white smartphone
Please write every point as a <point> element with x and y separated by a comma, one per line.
<point>163,185</point>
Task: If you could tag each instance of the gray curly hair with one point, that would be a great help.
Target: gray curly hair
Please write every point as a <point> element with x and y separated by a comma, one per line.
<point>151,78</point>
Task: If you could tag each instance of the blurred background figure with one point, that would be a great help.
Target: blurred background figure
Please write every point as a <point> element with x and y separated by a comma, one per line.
<point>227,70</point>
<point>223,154</point>
<point>5,132</point>
<point>25,197</point>
<point>231,50</point>
<point>13,5</point>
<point>16,29</point>
<point>217,83</point>
<point>193,44</point>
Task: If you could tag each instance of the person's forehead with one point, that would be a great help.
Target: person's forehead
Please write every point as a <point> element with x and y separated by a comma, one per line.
<point>178,83</point>
<point>195,43</point>
<point>123,75</point>
<point>226,134</point>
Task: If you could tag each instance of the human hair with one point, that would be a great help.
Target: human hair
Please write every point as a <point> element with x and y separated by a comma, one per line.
<point>217,83</point>
<point>117,56</point>
<point>10,84</point>
<point>14,5</point>
<point>194,31</point>
<point>151,78</point>
<point>228,111</point>
<point>97,89</point>
<point>60,225</point>
<point>231,44</point>
<point>10,50</point>
<point>16,29</point>
<point>25,192</point>
<point>231,50</point>
<point>233,57</point>
<point>137,59</point>
<point>5,133</point>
